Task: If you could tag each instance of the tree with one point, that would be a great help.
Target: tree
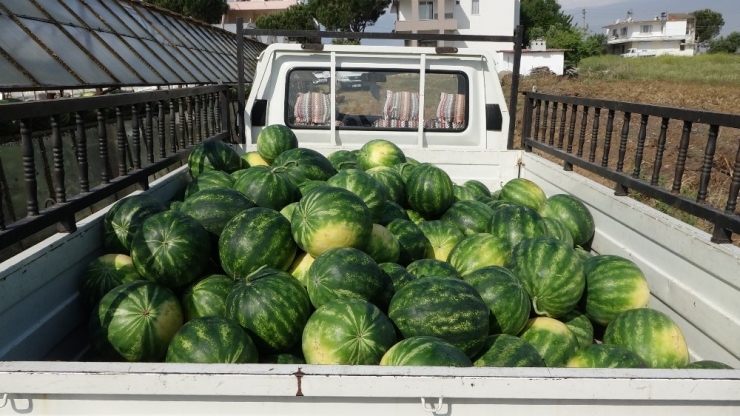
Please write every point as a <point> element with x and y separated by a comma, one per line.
<point>208,11</point>
<point>708,24</point>
<point>348,15</point>
<point>726,44</point>
<point>298,17</point>
<point>543,14</point>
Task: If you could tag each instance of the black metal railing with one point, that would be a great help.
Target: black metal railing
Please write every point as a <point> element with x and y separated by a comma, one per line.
<point>547,117</point>
<point>140,123</point>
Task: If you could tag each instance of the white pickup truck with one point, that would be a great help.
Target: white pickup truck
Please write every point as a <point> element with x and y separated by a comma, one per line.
<point>636,53</point>
<point>43,342</point>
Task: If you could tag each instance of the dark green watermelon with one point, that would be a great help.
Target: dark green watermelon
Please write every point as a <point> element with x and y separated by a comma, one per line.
<point>209,179</point>
<point>275,139</point>
<point>343,159</point>
<point>429,191</point>
<point>215,207</point>
<point>398,274</point>
<point>211,340</point>
<point>404,169</point>
<point>477,187</point>
<point>523,192</point>
<point>425,351</point>
<point>391,211</point>
<point>383,247</point>
<point>103,274</point>
<point>341,273</point>
<point>507,351</point>
<point>516,223</point>
<point>580,326</point>
<point>267,187</point>
<point>372,192</point>
<point>124,219</point>
<point>613,285</point>
<point>213,155</point>
<point>207,297</point>
<point>573,213</point>
<point>470,217</point>
<point>392,181</point>
<point>432,267</point>
<point>303,165</point>
<point>605,356</point>
<point>412,242</point>
<point>710,365</point>
<point>307,186</point>
<point>505,296</point>
<point>462,193</point>
<point>557,230</point>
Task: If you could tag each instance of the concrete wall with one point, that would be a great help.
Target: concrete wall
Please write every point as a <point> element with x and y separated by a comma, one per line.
<point>498,18</point>
<point>553,60</point>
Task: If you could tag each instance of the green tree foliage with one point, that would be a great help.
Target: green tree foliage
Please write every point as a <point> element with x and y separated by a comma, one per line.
<point>209,11</point>
<point>708,24</point>
<point>726,44</point>
<point>542,14</point>
<point>348,15</point>
<point>298,17</point>
<point>578,45</point>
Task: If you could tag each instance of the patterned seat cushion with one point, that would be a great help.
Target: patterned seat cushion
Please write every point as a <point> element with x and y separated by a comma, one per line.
<point>400,110</point>
<point>450,113</point>
<point>312,109</point>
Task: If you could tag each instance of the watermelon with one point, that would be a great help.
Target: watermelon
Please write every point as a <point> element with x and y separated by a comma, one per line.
<point>414,216</point>
<point>207,297</point>
<point>124,219</point>
<point>398,274</point>
<point>213,155</point>
<point>495,204</point>
<point>507,351</point>
<point>573,213</point>
<point>413,244</point>
<point>171,248</point>
<point>709,364</point>
<point>523,192</point>
<point>425,351</point>
<point>272,306</point>
<point>303,165</point>
<point>372,192</point>
<point>404,169</point>
<point>505,296</point>
<point>275,139</point>
<point>552,339</point>
<point>307,186</point>
<point>344,272</point>
<point>103,274</point>
<point>174,205</point>
<point>135,322</point>
<point>300,266</point>
<point>343,159</point>
<point>391,211</point>
<point>605,356</point>
<point>235,175</point>
<point>613,285</point>
<point>442,307</point>
<point>209,179</point>
<point>347,331</point>
<point>484,199</point>
<point>214,207</point>
<point>477,187</point>
<point>379,152</point>
<point>287,210</point>
<point>583,254</point>
<point>253,159</point>
<point>470,217</point>
<point>255,238</point>
<point>412,161</point>
<point>478,251</point>
<point>551,272</point>
<point>393,182</point>
<point>580,326</point>
<point>211,340</point>
<point>432,267</point>
<point>429,191</point>
<point>383,247</point>
<point>442,236</point>
<point>462,193</point>
<point>516,224</point>
<point>282,358</point>
<point>650,334</point>
<point>557,230</point>
<point>267,187</point>
<point>329,218</point>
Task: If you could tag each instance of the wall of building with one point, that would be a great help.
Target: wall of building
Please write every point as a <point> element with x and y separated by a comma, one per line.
<point>497,18</point>
<point>553,60</point>
<point>677,28</point>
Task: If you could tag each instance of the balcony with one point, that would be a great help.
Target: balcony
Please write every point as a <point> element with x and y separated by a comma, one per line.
<point>448,23</point>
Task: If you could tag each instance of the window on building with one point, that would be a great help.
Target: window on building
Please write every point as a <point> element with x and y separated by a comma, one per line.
<point>646,29</point>
<point>614,32</point>
<point>426,10</point>
<point>476,7</point>
<point>624,31</point>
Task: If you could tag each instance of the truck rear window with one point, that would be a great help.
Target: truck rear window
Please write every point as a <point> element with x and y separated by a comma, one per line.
<point>377,100</point>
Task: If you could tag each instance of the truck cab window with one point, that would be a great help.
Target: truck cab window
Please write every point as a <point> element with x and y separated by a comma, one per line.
<point>377,99</point>
<point>308,99</point>
<point>446,101</point>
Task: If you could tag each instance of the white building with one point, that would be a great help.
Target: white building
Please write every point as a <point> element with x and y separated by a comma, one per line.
<point>666,34</point>
<point>536,56</point>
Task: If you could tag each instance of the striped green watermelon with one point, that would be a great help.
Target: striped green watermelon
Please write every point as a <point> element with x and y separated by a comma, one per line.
<point>462,193</point>
<point>470,217</point>
<point>171,248</point>
<point>605,356</point>
<point>214,207</point>
<point>283,358</point>
<point>372,192</point>
<point>398,274</point>
<point>300,266</point>
<point>412,161</point>
<point>551,272</point>
<point>613,285</point>
<point>507,351</point>
<point>272,306</point>
<point>347,331</point>
<point>650,334</point>
<point>477,187</point>
<point>303,165</point>
<point>207,297</point>
<point>267,187</point>
<point>103,274</point>
<point>343,159</point>
<point>414,216</point>
<point>275,139</point>
<point>379,152</point>
<point>174,205</point>
<point>580,326</point>
<point>429,191</point>
<point>573,213</point>
<point>344,272</point>
<point>552,339</point>
<point>253,159</point>
<point>710,365</point>
<point>505,296</point>
<point>516,224</point>
<point>391,211</point>
<point>213,155</point>
<point>135,322</point>
<point>287,210</point>
<point>583,254</point>
<point>442,236</point>
<point>413,244</point>
<point>495,204</point>
<point>211,340</point>
<point>425,351</point>
<point>524,192</point>
<point>478,251</point>
<point>209,179</point>
<point>496,195</point>
<point>329,217</point>
<point>442,307</point>
<point>404,169</point>
<point>484,199</point>
<point>432,267</point>
<point>393,182</point>
<point>256,238</point>
<point>383,247</point>
<point>307,186</point>
<point>124,219</point>
<point>557,230</point>
<point>235,175</point>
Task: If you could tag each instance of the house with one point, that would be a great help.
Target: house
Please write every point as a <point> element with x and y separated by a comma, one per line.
<point>536,56</point>
<point>666,34</point>
<point>462,17</point>
<point>251,10</point>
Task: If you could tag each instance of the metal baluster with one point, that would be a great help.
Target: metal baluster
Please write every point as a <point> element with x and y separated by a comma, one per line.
<point>623,141</point>
<point>553,121</point>
<point>29,168</point>
<point>121,141</point>
<point>160,131</point>
<point>640,146</point>
<point>706,168</point>
<point>149,139</point>
<point>212,115</point>
<point>173,127</point>
<point>683,151</point>
<point>572,128</point>
<point>734,185</point>
<point>217,97</point>
<point>103,147</point>
<point>659,152</point>
<point>60,191</point>
<point>537,121</point>
<point>608,138</point>
<point>561,134</point>
<point>197,127</point>
<point>135,136</point>
<point>544,121</point>
<point>191,122</point>
<point>183,125</point>
<point>582,136</point>
<point>594,135</point>
<point>82,152</point>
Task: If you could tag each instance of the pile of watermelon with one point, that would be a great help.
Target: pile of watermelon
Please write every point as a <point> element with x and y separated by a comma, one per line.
<point>364,257</point>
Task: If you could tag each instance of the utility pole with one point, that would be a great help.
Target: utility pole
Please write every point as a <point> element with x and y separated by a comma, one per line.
<point>584,20</point>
